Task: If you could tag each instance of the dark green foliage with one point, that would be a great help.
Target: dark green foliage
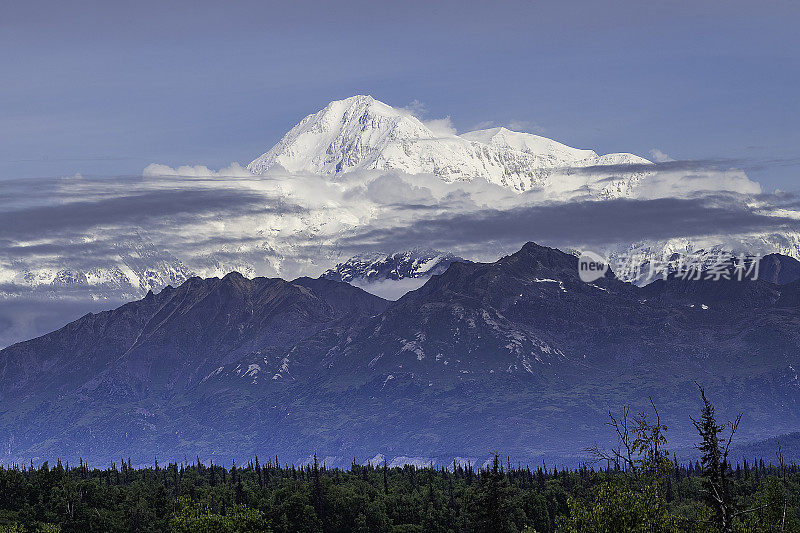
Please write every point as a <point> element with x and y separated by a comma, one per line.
<point>492,506</point>
<point>193,517</point>
<point>181,497</point>
<point>640,490</point>
<point>716,469</point>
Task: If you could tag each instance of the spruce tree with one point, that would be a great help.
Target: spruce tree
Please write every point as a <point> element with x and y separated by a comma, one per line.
<point>715,465</point>
<point>318,494</point>
<point>385,477</point>
<point>260,475</point>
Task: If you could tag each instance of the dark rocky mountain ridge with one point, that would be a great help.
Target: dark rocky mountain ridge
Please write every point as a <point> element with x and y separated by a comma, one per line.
<point>518,355</point>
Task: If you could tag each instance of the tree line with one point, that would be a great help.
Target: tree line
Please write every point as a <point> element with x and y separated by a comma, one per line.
<point>635,486</point>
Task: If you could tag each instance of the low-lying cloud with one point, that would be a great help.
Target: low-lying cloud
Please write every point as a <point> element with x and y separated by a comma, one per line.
<point>130,209</point>
<point>301,224</point>
<point>117,237</point>
<point>576,224</point>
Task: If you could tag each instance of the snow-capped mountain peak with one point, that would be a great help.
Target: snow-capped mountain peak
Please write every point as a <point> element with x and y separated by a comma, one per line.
<point>361,133</point>
<point>346,135</point>
<point>547,151</point>
<point>379,266</point>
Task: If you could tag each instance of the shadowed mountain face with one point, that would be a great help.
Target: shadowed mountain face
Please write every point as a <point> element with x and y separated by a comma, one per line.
<point>779,269</point>
<point>168,342</point>
<point>519,355</point>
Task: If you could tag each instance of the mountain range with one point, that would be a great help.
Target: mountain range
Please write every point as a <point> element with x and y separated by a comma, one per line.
<point>517,355</point>
<point>356,134</point>
<point>361,133</point>
<point>356,164</point>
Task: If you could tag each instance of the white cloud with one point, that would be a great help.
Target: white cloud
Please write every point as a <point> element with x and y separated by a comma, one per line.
<point>484,125</point>
<point>209,222</point>
<point>391,289</point>
<point>659,156</point>
<point>416,108</point>
<point>525,126</point>
<point>519,125</point>
<point>196,171</point>
<point>441,127</point>
<point>681,184</point>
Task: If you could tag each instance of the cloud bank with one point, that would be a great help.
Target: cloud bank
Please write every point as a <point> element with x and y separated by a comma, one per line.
<point>104,239</point>
<point>291,225</point>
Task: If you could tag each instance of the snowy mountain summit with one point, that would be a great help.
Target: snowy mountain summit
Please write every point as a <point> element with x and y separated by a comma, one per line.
<point>361,133</point>
<point>395,266</point>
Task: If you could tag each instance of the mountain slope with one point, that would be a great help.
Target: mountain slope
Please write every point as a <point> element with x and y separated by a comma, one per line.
<point>474,318</point>
<point>518,355</point>
<point>779,269</point>
<point>168,342</point>
<point>361,133</point>
<point>346,135</point>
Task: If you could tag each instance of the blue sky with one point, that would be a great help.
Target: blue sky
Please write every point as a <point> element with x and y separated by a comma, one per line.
<point>107,87</point>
